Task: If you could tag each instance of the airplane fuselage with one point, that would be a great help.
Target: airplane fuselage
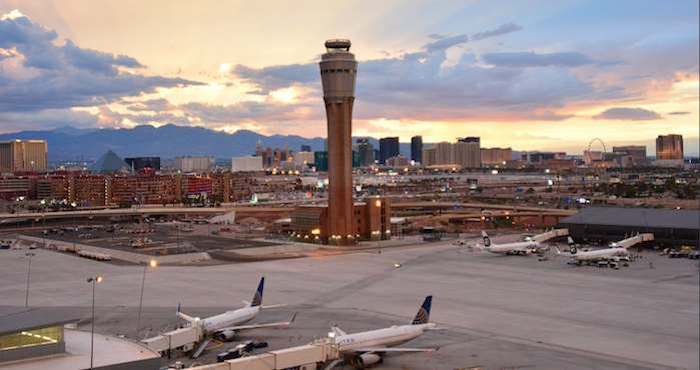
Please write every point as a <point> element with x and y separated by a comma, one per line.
<point>512,248</point>
<point>386,337</point>
<point>229,318</point>
<point>600,254</point>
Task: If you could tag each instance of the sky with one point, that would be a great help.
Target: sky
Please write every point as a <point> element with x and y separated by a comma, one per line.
<point>531,75</point>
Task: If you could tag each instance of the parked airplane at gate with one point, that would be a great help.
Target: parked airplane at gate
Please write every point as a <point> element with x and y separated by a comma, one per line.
<point>369,347</point>
<point>520,248</point>
<point>532,244</point>
<point>615,252</point>
<point>225,326</point>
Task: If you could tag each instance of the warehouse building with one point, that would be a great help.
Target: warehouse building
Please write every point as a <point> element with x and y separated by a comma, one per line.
<point>671,228</point>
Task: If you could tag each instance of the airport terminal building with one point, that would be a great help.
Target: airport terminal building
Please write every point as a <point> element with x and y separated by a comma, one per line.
<point>671,228</point>
<point>42,338</point>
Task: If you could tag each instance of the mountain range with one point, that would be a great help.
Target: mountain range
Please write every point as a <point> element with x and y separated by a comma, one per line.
<point>169,141</point>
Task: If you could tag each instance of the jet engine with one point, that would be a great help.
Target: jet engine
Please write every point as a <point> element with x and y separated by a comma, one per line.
<point>364,360</point>
<point>225,335</point>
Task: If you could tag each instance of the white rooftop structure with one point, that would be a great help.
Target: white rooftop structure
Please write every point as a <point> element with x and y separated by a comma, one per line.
<point>108,351</point>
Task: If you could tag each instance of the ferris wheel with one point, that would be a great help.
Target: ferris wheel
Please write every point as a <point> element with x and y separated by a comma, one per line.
<point>590,144</point>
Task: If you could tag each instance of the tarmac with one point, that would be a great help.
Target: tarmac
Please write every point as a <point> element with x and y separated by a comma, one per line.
<point>499,312</point>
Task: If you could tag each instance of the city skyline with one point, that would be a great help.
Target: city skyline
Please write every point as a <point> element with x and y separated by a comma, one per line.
<point>553,80</point>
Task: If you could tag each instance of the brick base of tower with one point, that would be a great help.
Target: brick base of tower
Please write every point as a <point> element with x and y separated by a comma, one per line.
<point>341,222</point>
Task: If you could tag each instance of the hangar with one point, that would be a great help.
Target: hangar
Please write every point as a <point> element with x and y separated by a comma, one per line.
<point>671,228</point>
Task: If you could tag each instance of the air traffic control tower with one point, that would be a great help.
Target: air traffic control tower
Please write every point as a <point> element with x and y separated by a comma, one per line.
<point>338,71</point>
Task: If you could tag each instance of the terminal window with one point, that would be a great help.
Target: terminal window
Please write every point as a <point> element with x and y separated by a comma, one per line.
<point>30,338</point>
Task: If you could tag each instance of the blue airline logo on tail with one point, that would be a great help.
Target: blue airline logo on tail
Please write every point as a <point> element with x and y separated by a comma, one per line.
<point>423,314</point>
<point>257,298</point>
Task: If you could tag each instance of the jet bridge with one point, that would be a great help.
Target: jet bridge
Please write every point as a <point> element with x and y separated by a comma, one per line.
<point>305,357</point>
<point>550,235</point>
<point>639,238</point>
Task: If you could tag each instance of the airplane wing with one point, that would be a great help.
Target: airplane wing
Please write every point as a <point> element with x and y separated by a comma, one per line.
<point>266,307</point>
<point>394,349</point>
<point>265,325</point>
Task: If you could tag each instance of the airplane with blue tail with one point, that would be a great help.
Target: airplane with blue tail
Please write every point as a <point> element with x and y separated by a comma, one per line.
<point>225,326</point>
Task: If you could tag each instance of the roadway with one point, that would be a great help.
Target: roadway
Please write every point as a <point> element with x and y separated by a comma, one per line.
<point>138,211</point>
<point>265,208</point>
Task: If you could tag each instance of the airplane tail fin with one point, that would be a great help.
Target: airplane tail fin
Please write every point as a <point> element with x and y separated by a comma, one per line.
<point>570,240</point>
<point>487,240</point>
<point>258,297</point>
<point>423,315</point>
<point>338,332</point>
<point>183,316</point>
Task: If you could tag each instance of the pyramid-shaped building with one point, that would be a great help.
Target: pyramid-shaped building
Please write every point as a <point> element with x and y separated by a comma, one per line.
<point>109,163</point>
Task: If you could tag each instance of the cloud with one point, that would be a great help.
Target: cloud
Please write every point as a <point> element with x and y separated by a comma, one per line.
<point>96,61</point>
<point>678,113</point>
<point>42,74</point>
<point>253,111</point>
<point>443,42</point>
<point>436,36</point>
<point>151,105</point>
<point>531,59</point>
<point>45,119</point>
<point>418,85</point>
<point>628,114</point>
<point>276,77</point>
<point>501,30</point>
<point>446,43</point>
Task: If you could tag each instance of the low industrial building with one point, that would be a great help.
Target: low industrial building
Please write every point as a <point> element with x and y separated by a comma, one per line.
<point>372,219</point>
<point>39,338</point>
<point>671,228</point>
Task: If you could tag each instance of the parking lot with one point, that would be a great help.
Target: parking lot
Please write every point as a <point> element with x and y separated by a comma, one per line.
<point>151,239</point>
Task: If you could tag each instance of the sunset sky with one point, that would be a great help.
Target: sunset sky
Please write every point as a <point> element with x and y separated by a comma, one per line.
<point>548,75</point>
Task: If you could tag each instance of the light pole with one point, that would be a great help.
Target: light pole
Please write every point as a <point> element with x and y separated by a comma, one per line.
<point>93,280</point>
<point>178,233</point>
<point>29,274</point>
<point>152,263</point>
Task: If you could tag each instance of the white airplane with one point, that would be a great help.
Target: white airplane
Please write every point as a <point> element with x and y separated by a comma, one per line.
<point>616,251</point>
<point>530,245</point>
<point>225,326</point>
<point>366,348</point>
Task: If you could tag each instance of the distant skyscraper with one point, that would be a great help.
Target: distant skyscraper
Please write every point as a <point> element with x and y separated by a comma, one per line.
<point>637,152</point>
<point>468,152</point>
<point>669,147</point>
<point>429,157</point>
<point>366,152</point>
<point>23,155</point>
<point>305,148</point>
<point>496,156</point>
<point>388,147</point>
<point>417,149</point>
<point>321,160</point>
<point>338,71</point>
<point>444,153</point>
